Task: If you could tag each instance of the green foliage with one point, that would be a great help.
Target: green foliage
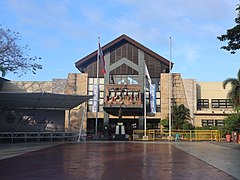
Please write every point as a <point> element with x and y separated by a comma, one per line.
<point>234,93</point>
<point>232,35</point>
<point>13,57</point>
<point>180,114</point>
<point>187,126</point>
<point>164,122</point>
<point>232,122</point>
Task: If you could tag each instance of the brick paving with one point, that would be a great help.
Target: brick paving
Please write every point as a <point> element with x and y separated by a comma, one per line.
<point>109,160</point>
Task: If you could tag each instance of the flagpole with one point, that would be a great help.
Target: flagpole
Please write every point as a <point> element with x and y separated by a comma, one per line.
<point>170,93</point>
<point>96,125</point>
<point>145,104</point>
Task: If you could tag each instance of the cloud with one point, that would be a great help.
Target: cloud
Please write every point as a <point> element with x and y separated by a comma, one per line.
<point>211,29</point>
<point>190,53</point>
<point>185,15</point>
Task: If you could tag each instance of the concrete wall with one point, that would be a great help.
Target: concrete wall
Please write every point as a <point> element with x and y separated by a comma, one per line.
<point>211,90</point>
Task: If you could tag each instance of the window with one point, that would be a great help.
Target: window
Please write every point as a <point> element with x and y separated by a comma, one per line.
<point>221,103</point>
<point>207,123</point>
<point>91,82</point>
<point>219,122</point>
<point>202,103</point>
<point>123,79</point>
<point>212,122</point>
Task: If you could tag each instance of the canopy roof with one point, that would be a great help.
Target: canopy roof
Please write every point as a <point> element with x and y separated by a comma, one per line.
<point>40,100</point>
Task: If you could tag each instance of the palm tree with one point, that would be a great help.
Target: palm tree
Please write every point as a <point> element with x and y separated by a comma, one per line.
<point>181,115</point>
<point>234,93</point>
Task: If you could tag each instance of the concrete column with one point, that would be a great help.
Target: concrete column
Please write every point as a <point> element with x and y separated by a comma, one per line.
<point>141,81</point>
<point>106,81</point>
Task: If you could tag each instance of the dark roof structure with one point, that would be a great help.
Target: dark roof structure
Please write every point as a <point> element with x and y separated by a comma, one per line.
<point>41,100</point>
<point>120,40</point>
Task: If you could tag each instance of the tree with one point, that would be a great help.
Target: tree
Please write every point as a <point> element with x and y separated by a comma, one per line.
<point>234,93</point>
<point>232,123</point>
<point>13,57</point>
<point>232,35</point>
<point>181,115</point>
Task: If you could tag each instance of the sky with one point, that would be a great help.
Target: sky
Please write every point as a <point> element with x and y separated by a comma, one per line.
<point>62,32</point>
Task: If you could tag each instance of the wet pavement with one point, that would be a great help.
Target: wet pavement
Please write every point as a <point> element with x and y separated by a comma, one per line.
<point>123,161</point>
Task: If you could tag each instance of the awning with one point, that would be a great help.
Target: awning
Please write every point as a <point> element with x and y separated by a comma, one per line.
<point>41,100</point>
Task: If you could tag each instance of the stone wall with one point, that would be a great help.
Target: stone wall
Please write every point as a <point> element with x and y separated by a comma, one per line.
<point>178,93</point>
<point>32,86</point>
<point>76,84</point>
<point>190,92</point>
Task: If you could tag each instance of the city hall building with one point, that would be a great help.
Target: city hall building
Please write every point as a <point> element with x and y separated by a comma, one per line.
<point>122,88</point>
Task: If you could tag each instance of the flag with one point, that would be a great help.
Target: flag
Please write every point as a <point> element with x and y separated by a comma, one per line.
<point>152,95</point>
<point>95,98</point>
<point>147,74</point>
<point>101,58</point>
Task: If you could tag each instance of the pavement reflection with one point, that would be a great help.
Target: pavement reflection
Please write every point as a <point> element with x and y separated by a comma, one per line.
<point>114,160</point>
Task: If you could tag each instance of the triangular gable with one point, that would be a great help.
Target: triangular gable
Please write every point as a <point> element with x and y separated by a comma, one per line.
<point>113,43</point>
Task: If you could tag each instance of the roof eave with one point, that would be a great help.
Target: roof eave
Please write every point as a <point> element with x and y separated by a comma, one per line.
<point>117,40</point>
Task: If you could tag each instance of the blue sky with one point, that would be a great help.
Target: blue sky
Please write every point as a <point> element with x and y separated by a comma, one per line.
<point>64,31</point>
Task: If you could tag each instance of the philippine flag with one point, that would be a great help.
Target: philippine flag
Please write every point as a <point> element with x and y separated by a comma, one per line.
<point>101,58</point>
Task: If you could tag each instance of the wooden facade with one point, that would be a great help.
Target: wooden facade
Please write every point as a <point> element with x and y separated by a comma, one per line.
<point>124,47</point>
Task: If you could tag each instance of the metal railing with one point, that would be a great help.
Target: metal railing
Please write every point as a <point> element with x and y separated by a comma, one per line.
<point>38,136</point>
<point>182,135</point>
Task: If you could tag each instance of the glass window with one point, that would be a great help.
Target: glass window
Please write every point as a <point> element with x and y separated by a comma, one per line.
<point>90,87</point>
<point>101,94</point>
<point>123,79</point>
<point>90,81</point>
<point>221,103</point>
<point>202,103</point>
<point>207,122</point>
<point>219,123</point>
<point>101,80</point>
<point>212,122</point>
<point>90,102</point>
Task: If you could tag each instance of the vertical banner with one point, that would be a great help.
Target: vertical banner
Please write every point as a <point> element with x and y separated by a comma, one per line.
<point>95,98</point>
<point>153,98</point>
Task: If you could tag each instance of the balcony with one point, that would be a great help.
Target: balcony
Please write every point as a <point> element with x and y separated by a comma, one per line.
<point>124,99</point>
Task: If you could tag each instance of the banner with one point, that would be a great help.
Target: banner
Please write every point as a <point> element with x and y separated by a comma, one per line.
<point>95,98</point>
<point>152,94</point>
<point>147,74</point>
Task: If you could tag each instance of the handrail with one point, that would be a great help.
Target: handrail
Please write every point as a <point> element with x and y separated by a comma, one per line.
<point>185,135</point>
<point>51,136</point>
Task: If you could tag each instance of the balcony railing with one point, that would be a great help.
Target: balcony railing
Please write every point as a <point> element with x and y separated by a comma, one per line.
<point>123,95</point>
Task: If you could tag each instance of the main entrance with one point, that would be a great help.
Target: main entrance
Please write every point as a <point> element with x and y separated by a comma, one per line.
<point>109,132</point>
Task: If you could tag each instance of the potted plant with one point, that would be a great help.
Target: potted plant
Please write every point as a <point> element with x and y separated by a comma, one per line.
<point>228,136</point>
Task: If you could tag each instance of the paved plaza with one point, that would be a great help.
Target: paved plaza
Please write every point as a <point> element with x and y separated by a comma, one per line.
<point>120,160</point>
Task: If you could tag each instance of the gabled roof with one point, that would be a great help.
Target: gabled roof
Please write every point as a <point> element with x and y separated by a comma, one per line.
<point>120,39</point>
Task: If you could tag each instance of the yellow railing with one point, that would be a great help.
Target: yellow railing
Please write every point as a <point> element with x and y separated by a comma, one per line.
<point>183,135</point>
